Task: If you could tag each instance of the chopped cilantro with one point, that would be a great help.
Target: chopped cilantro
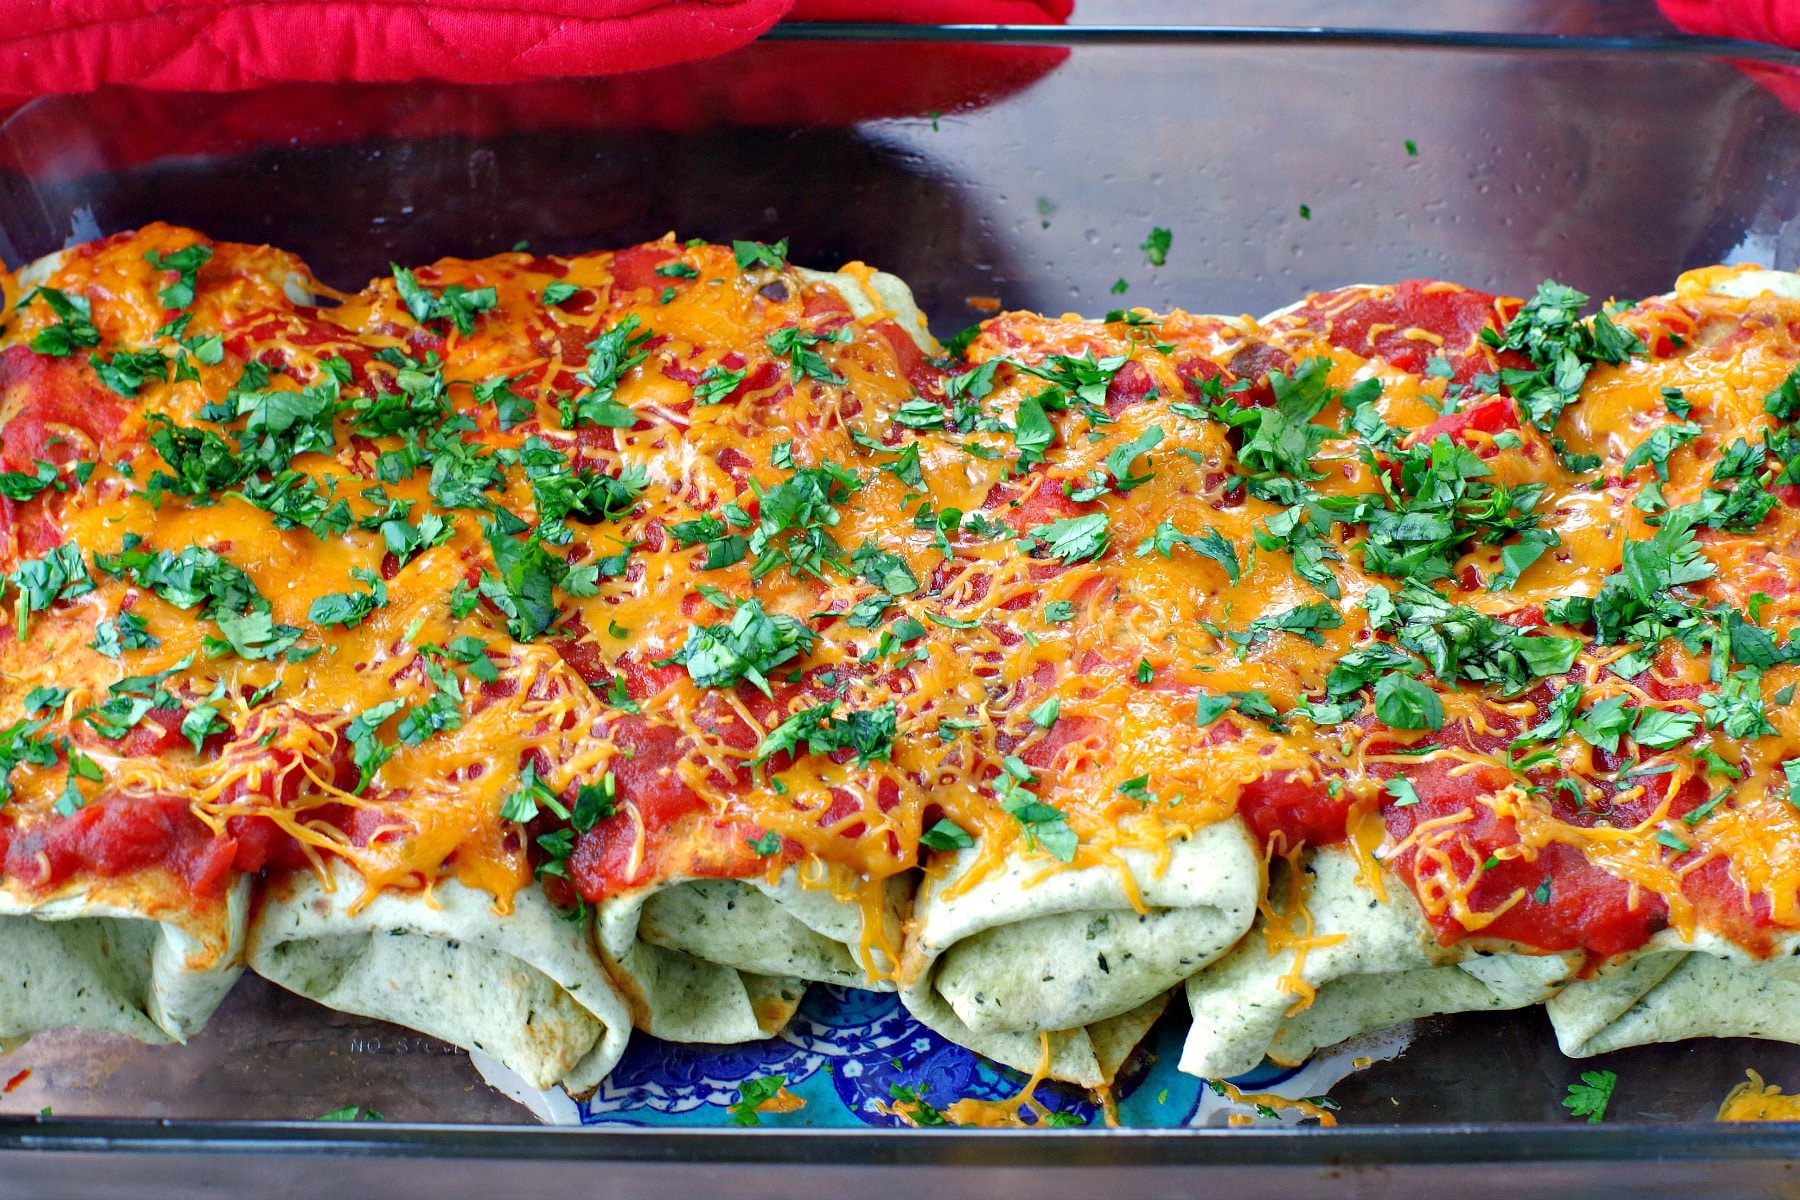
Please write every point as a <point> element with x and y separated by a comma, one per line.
<point>38,583</point>
<point>1783,403</point>
<point>1156,246</point>
<point>794,519</point>
<point>457,304</point>
<point>1663,728</point>
<point>74,329</point>
<point>717,383</point>
<point>868,733</point>
<point>350,609</point>
<point>186,264</point>
<point>20,743</point>
<point>128,370</point>
<point>754,1093</point>
<point>749,647</point>
<point>611,354</point>
<point>1402,791</point>
<point>799,347</point>
<point>1043,825</point>
<point>756,254</point>
<point>510,409</point>
<point>1562,347</point>
<point>946,835</point>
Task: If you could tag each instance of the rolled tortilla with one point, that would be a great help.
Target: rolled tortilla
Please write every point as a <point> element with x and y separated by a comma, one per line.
<point>92,960</point>
<point>728,960</point>
<point>523,987</point>
<point>1374,964</point>
<point>1022,954</point>
<point>876,293</point>
<point>295,283</point>
<point>1673,990</point>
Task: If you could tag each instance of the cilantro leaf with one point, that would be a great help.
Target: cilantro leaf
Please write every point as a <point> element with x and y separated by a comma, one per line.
<point>1075,539</point>
<point>756,254</point>
<point>1156,246</point>
<point>1042,824</point>
<point>723,547</point>
<point>1119,460</point>
<point>1302,620</point>
<point>1209,542</point>
<point>1737,708</point>
<point>1590,1097</point>
<point>367,749</point>
<point>1663,441</point>
<point>946,835</point>
<point>1282,439</point>
<point>754,1093</point>
<point>128,370</point>
<point>1663,728</point>
<point>1784,402</point>
<point>884,570</point>
<point>350,609</point>
<point>1402,702</point>
<point>716,384</point>
<point>20,743</point>
<point>38,583</point>
<point>1032,432</point>
<point>1076,381</point>
<point>510,409</point>
<point>1604,723</point>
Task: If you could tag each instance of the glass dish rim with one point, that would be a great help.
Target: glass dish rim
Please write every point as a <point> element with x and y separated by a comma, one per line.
<point>1446,1145</point>
<point>1278,35</point>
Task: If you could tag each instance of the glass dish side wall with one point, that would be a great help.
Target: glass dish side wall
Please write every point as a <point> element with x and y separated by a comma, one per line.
<point>1278,169</point>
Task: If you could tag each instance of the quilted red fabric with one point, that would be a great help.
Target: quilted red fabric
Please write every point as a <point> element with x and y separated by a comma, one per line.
<point>54,46</point>
<point>1774,21</point>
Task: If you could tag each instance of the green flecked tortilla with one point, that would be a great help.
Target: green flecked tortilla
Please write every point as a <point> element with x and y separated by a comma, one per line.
<point>1387,968</point>
<point>1016,956</point>
<point>1749,284</point>
<point>890,293</point>
<point>522,987</point>
<point>728,960</point>
<point>1671,990</point>
<point>79,962</point>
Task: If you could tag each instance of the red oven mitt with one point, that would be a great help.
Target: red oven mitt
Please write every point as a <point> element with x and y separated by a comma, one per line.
<point>52,46</point>
<point>1774,21</point>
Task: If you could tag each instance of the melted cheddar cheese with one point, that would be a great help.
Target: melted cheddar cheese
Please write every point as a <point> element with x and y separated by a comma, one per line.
<point>639,566</point>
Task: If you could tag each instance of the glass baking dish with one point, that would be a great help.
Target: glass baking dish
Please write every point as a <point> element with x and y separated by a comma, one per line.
<point>1020,168</point>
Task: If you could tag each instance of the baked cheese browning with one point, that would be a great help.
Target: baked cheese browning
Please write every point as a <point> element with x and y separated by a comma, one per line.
<point>668,564</point>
